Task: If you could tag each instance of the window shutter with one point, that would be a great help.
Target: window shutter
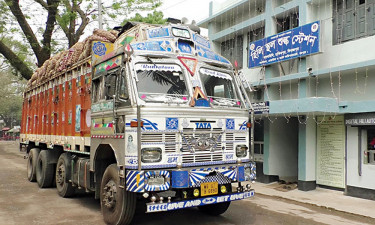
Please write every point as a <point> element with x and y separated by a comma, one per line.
<point>349,20</point>
<point>360,18</point>
<point>337,21</point>
<point>370,10</point>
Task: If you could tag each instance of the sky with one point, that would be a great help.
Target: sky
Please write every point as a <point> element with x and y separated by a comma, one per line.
<point>192,9</point>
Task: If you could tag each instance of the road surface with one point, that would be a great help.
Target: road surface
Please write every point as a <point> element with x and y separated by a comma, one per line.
<point>22,202</point>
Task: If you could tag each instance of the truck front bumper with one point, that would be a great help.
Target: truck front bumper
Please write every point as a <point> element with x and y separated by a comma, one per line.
<point>168,206</point>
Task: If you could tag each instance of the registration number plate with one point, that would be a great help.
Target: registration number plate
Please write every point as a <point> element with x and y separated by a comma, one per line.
<point>209,188</point>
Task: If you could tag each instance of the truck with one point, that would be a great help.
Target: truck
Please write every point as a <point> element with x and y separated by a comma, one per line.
<point>156,118</point>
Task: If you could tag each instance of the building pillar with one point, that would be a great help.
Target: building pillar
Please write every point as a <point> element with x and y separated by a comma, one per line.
<point>269,30</point>
<point>302,65</point>
<point>307,156</point>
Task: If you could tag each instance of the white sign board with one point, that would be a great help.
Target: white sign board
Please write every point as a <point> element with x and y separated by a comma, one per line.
<point>331,151</point>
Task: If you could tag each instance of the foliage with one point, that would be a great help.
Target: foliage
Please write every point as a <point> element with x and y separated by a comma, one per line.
<point>156,17</point>
<point>11,98</point>
<point>38,24</point>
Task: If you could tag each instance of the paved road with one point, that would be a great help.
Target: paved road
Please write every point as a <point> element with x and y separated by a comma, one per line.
<point>22,202</point>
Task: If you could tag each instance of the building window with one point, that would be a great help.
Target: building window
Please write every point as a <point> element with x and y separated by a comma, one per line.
<point>232,49</point>
<point>352,19</point>
<point>287,22</point>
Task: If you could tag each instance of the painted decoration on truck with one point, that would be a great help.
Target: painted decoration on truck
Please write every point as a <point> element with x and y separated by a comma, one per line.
<point>208,54</point>
<point>147,124</point>
<point>229,124</point>
<point>198,39</point>
<point>130,147</point>
<point>127,40</point>
<point>160,32</point>
<point>160,46</point>
<point>185,47</point>
<point>135,181</point>
<point>196,176</point>
<point>103,106</point>
<point>102,51</point>
<point>171,123</point>
<point>102,126</point>
<point>180,179</point>
<point>108,65</point>
<point>298,42</point>
<point>244,125</point>
<point>78,118</point>
<point>159,207</point>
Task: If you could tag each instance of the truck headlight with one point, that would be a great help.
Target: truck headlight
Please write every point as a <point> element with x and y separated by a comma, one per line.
<point>150,155</point>
<point>241,150</point>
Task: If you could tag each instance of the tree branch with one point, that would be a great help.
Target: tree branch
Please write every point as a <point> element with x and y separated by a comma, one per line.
<point>33,41</point>
<point>84,23</point>
<point>42,3</point>
<point>15,61</point>
<point>50,24</point>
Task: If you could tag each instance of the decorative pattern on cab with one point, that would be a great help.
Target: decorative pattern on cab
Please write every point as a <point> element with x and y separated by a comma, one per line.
<point>135,181</point>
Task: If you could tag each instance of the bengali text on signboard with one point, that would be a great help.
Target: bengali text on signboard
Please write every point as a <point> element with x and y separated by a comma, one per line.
<point>294,43</point>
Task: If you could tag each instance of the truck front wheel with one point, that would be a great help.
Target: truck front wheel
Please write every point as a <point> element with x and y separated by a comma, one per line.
<point>215,209</point>
<point>63,186</point>
<point>44,170</point>
<point>31,164</point>
<point>117,204</point>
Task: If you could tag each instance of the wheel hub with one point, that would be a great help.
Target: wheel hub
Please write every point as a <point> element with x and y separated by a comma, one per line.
<point>109,194</point>
<point>60,175</point>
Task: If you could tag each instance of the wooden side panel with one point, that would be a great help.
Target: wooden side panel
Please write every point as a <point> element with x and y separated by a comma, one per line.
<point>86,101</point>
<point>59,108</point>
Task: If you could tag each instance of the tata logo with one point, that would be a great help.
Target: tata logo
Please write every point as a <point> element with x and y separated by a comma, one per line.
<point>203,125</point>
<point>209,200</point>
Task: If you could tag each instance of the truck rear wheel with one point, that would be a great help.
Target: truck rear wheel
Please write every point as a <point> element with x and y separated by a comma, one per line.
<point>117,204</point>
<point>44,170</point>
<point>215,209</point>
<point>63,186</point>
<point>31,164</point>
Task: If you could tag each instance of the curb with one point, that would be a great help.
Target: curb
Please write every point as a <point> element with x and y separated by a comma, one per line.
<point>312,204</point>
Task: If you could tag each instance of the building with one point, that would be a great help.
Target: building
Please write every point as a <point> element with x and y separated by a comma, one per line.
<point>320,128</point>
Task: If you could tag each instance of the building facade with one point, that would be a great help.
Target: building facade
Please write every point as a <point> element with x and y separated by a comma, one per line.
<point>318,126</point>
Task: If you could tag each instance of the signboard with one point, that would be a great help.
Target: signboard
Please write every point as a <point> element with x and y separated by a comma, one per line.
<point>298,42</point>
<point>261,107</point>
<point>360,119</point>
<point>331,151</point>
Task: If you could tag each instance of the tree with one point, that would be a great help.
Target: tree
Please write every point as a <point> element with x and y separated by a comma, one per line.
<point>69,16</point>
<point>156,17</point>
<point>11,98</point>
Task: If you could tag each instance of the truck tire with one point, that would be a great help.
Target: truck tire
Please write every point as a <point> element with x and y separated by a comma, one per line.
<point>215,209</point>
<point>63,167</point>
<point>117,204</point>
<point>44,170</point>
<point>31,164</point>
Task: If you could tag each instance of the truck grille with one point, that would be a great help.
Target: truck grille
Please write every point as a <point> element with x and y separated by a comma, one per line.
<point>202,157</point>
<point>229,141</point>
<point>168,139</point>
<point>188,140</point>
<point>208,153</point>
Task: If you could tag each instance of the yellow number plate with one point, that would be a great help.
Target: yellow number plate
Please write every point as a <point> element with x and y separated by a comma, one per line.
<point>209,188</point>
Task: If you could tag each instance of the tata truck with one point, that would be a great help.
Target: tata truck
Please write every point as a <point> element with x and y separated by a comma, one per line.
<point>155,118</point>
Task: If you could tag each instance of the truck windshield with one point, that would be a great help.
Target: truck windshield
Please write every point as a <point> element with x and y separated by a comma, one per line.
<point>161,83</point>
<point>219,87</point>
